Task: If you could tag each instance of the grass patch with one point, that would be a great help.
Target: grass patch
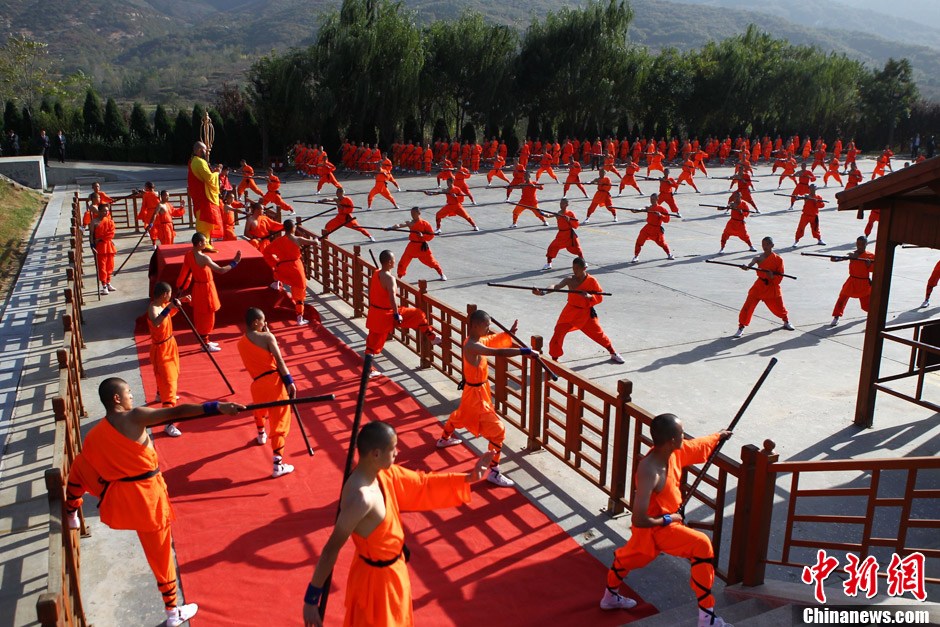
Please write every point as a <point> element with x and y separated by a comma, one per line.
<point>19,208</point>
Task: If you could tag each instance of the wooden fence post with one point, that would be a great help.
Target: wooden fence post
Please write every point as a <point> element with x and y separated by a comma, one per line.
<point>762,505</point>
<point>620,458</point>
<point>324,262</point>
<point>537,383</point>
<point>424,346</point>
<point>740,542</point>
<point>358,286</point>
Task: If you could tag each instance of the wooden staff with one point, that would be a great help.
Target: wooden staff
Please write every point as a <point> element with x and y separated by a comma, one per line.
<point>94,256</point>
<point>134,249</point>
<point>372,254</point>
<point>715,206</point>
<point>547,289</point>
<point>354,433</point>
<point>520,343</point>
<point>303,431</point>
<point>836,257</point>
<point>746,267</point>
<point>389,229</point>
<point>734,423</point>
<point>205,346</point>
<point>293,402</point>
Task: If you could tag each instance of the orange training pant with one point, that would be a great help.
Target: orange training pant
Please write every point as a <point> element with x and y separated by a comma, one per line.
<point>576,319</point>
<point>449,211</point>
<point>380,190</point>
<point>601,198</point>
<point>771,297</point>
<point>165,359</point>
<point>812,221</point>
<point>491,428</point>
<point>414,251</point>
<point>675,539</point>
<point>566,241</point>
<point>650,233</point>
<point>264,390</point>
<point>411,318</point>
<point>248,184</point>
<point>853,287</point>
<point>158,548</point>
<point>520,209</point>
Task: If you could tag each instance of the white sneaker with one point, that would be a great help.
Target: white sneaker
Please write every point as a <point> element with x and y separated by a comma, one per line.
<point>586,220</point>
<point>281,469</point>
<point>435,340</point>
<point>476,228</point>
<point>616,358</point>
<point>706,619</point>
<point>180,614</point>
<point>371,239</point>
<point>835,321</point>
<point>262,437</point>
<point>104,290</point>
<point>72,520</point>
<point>111,288</point>
<point>635,259</point>
<point>446,442</point>
<point>616,218</point>
<point>796,243</point>
<point>276,286</point>
<point>616,601</point>
<point>302,321</point>
<point>173,431</point>
<point>924,304</point>
<point>721,251</point>
<point>787,326</point>
<point>547,266</point>
<point>213,347</point>
<point>443,277</point>
<point>437,231</point>
<point>752,249</point>
<point>820,242</point>
<point>670,257</point>
<point>513,225</point>
<point>738,333</point>
<point>497,478</point>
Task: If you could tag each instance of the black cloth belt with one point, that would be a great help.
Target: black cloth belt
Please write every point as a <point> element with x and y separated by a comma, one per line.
<point>140,477</point>
<point>264,374</point>
<point>387,563</point>
<point>464,382</point>
<point>163,341</point>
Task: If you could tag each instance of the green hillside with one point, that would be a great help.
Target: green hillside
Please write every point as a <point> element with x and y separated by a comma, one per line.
<point>178,51</point>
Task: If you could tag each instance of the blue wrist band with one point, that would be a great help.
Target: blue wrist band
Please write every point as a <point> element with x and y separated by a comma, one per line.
<point>525,350</point>
<point>166,312</point>
<point>287,379</point>
<point>211,408</point>
<point>667,520</point>
<point>233,264</point>
<point>312,596</point>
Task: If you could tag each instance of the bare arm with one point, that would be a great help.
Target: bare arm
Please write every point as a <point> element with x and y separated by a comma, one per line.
<point>274,349</point>
<point>146,416</point>
<point>648,478</point>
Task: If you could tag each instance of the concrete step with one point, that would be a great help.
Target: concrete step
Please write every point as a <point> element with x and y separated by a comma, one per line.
<point>687,615</point>
<point>777,617</point>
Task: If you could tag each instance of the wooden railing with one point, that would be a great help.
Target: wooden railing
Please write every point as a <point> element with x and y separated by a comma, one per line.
<point>850,517</point>
<point>924,359</point>
<point>61,604</point>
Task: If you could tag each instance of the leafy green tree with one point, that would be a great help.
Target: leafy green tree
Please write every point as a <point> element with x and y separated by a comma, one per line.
<point>26,71</point>
<point>139,124</point>
<point>183,137</point>
<point>279,88</point>
<point>12,118</point>
<point>92,113</point>
<point>115,127</point>
<point>888,96</point>
<point>162,127</point>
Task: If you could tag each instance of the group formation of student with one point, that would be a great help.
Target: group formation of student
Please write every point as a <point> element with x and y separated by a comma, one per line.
<point>114,460</point>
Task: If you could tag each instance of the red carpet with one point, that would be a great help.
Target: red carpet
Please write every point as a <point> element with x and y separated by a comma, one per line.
<point>247,543</point>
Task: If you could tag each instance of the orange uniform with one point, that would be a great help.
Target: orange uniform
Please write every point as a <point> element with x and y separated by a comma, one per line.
<point>789,169</point>
<point>688,172</point>
<point>833,172</point>
<point>528,202</point>
<point>382,179</point>
<point>646,543</point>
<point>148,205</point>
<point>668,185</point>
<point>259,233</point>
<point>105,249</point>
<point>566,237</point>
<point>266,387</point>
<point>273,195</point>
<point>546,167</point>
<point>420,234</point>
<point>380,320</point>
<point>378,591</point>
<point>476,413</point>
<point>854,178</point>
<point>579,314</point>
<point>805,177</point>
<point>810,217</point>
<point>858,285</point>
<point>453,206</point>
<point>653,229</point>
<point>736,226</point>
<point>125,476</point>
<point>325,171</point>
<point>874,216</point>
<point>932,281</point>
<point>654,161</point>
<point>248,182</point>
<point>766,289</point>
<point>205,297</point>
<point>344,217</point>
<point>164,357</point>
<point>284,255</point>
<point>602,197</point>
<point>163,228</point>
<point>461,175</point>
<point>228,221</point>
<point>574,178</point>
<point>497,170</point>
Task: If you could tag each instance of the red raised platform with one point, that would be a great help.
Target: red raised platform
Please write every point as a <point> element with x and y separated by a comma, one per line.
<point>252,271</point>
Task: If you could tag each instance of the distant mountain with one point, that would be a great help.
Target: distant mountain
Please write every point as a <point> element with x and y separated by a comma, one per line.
<point>178,51</point>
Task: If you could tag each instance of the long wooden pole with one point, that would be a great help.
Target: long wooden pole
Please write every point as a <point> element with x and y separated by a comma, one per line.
<point>293,402</point>
<point>538,358</point>
<point>205,347</point>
